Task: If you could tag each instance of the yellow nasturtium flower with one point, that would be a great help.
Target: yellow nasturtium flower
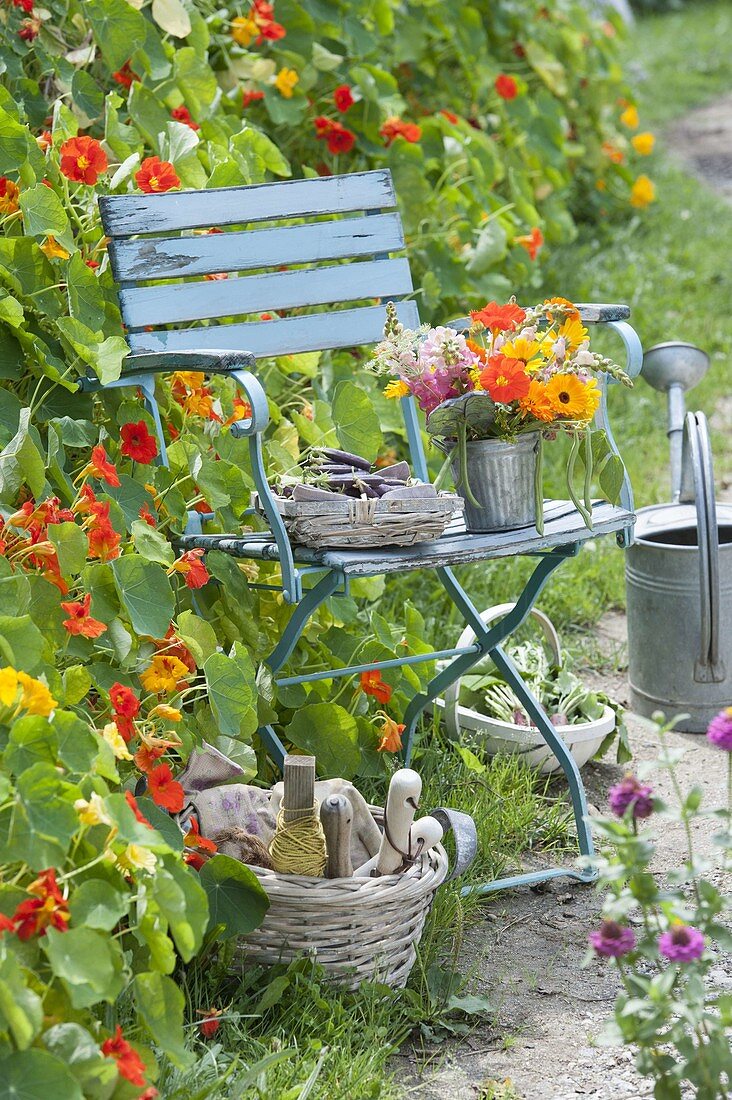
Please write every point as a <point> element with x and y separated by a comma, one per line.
<point>93,811</point>
<point>53,249</point>
<point>8,686</point>
<point>643,192</point>
<point>630,118</point>
<point>137,858</point>
<point>116,742</point>
<point>170,714</point>
<point>244,30</point>
<point>285,81</point>
<point>164,674</point>
<point>643,143</point>
<point>36,699</point>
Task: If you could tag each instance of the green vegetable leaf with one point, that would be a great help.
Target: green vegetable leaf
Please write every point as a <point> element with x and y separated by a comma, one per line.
<point>145,592</point>
<point>330,733</point>
<point>236,898</point>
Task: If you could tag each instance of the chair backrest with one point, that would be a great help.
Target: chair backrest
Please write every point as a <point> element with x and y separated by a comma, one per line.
<point>161,253</point>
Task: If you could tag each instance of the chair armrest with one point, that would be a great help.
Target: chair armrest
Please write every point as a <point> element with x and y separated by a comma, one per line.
<point>594,313</point>
<point>211,362</point>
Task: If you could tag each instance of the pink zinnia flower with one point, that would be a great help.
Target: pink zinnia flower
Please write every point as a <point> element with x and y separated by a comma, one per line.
<point>682,943</point>
<point>631,793</point>
<point>612,939</point>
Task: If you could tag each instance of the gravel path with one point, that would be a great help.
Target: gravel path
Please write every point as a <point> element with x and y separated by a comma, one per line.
<point>527,952</point>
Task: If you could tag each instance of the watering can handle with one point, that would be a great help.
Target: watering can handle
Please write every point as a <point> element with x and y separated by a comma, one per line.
<point>697,483</point>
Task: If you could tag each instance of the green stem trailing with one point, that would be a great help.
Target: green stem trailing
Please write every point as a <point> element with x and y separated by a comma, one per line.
<point>539,486</point>
<point>588,471</point>
<point>462,445</point>
<point>571,463</point>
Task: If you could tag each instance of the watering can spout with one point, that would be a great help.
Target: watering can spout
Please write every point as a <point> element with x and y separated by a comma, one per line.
<point>673,368</point>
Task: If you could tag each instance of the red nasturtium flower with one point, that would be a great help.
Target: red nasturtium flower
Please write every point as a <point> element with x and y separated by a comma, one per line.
<point>190,565</point>
<point>9,192</point>
<point>132,803</point>
<point>343,98</point>
<point>505,379</point>
<point>210,1023</point>
<point>6,924</point>
<point>124,701</point>
<point>155,176</point>
<point>164,790</point>
<point>83,160</point>
<point>147,757</point>
<point>395,127</point>
<point>47,909</point>
<point>26,5</point>
<point>80,621</point>
<point>499,318</point>
<point>30,29</point>
<point>200,846</point>
<point>146,515</point>
<point>450,116</point>
<point>44,141</point>
<point>506,86</point>
<point>337,137</point>
<point>391,735</point>
<point>137,443</point>
<point>101,467</point>
<point>125,76</point>
<point>129,1063</point>
<point>372,684</point>
<point>251,97</point>
<point>182,114</point>
<point>532,242</point>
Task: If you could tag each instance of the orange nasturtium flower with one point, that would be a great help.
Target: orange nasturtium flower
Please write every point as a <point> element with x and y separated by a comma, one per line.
<point>9,192</point>
<point>101,467</point>
<point>165,673</point>
<point>53,250</point>
<point>190,565</point>
<point>372,684</point>
<point>391,735</point>
<point>643,143</point>
<point>155,176</point>
<point>499,318</point>
<point>129,1063</point>
<point>643,192</point>
<point>46,909</point>
<point>396,127</point>
<point>285,82</point>
<point>80,621</point>
<point>164,790</point>
<point>532,242</point>
<point>506,87</point>
<point>505,379</point>
<point>83,160</point>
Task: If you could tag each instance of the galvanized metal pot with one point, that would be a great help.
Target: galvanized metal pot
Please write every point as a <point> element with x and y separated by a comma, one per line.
<point>501,478</point>
<point>679,589</point>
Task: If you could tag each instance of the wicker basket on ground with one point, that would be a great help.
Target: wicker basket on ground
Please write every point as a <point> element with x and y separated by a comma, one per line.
<point>357,929</point>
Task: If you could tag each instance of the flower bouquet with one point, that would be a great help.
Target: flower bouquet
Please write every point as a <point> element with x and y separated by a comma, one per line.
<point>493,396</point>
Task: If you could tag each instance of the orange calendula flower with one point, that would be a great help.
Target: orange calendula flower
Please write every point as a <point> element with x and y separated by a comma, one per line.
<point>532,242</point>
<point>630,118</point>
<point>101,467</point>
<point>53,249</point>
<point>83,160</point>
<point>536,403</point>
<point>499,318</point>
<point>165,674</point>
<point>570,311</point>
<point>643,192</point>
<point>643,143</point>
<point>397,387</point>
<point>395,127</point>
<point>190,565</point>
<point>129,1063</point>
<point>505,379</point>
<point>572,398</point>
<point>9,193</point>
<point>372,684</point>
<point>155,176</point>
<point>285,82</point>
<point>391,735</point>
<point>80,621</point>
<point>164,790</point>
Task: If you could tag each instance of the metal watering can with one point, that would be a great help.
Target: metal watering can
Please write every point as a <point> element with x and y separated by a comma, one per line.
<point>679,569</point>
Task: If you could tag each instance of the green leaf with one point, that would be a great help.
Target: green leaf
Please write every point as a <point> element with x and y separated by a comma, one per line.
<point>611,478</point>
<point>490,248</point>
<point>86,300</point>
<point>356,422</point>
<point>13,142</point>
<point>29,1075</point>
<point>86,94</point>
<point>236,899</point>
<point>96,904</point>
<point>198,635</point>
<point>21,1010</point>
<point>118,28</point>
<point>160,1003</point>
<point>145,592</point>
<point>25,641</point>
<point>72,546</point>
<point>182,900</point>
<point>232,692</point>
<point>31,740</point>
<point>172,17</point>
<point>43,212</point>
<point>148,112</point>
<point>104,356</point>
<point>21,461</point>
<point>330,734</point>
<point>546,65</point>
<point>196,81</point>
<point>150,543</point>
<point>89,964</point>
<point>73,1045</point>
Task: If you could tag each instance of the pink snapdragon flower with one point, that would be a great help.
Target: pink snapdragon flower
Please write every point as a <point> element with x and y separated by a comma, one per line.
<point>681,943</point>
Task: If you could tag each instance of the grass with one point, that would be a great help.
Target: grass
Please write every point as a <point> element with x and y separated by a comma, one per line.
<point>303,1039</point>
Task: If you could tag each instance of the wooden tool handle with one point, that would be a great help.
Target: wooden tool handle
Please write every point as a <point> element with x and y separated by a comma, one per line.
<point>336,816</point>
<point>299,793</point>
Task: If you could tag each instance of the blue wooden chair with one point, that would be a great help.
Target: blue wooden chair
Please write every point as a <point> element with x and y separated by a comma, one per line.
<point>159,265</point>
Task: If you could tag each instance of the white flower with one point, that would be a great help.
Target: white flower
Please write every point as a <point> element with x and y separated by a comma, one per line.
<point>137,858</point>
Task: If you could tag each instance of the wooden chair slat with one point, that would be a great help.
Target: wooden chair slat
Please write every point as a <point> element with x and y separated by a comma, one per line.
<point>124,215</point>
<point>204,254</point>
<point>315,332</point>
<point>162,305</point>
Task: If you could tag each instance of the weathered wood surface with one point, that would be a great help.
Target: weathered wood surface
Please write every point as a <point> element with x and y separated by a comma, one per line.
<point>563,525</point>
<point>146,258</point>
<point>124,215</point>
<point>192,301</point>
<point>299,779</point>
<point>336,817</point>
<point>345,328</point>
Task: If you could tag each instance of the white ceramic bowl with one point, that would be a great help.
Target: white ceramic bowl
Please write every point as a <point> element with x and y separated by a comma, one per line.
<point>495,736</point>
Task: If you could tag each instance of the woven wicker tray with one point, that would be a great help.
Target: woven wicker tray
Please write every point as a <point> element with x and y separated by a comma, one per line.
<point>347,522</point>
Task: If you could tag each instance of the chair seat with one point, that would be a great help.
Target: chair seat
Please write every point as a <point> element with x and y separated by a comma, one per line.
<point>563,525</point>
